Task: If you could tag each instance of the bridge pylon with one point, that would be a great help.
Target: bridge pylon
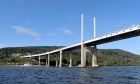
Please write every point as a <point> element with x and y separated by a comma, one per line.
<point>94,58</point>
<point>83,60</point>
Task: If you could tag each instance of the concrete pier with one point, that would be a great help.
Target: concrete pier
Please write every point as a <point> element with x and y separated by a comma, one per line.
<point>48,60</point>
<point>39,60</point>
<point>56,63</point>
<point>46,63</point>
<point>94,59</point>
<point>70,65</point>
<point>60,61</point>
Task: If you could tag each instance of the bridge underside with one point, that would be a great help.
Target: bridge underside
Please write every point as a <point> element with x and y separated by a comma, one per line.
<point>115,38</point>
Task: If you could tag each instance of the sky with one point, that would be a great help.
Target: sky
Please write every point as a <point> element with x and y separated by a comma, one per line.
<point>57,22</point>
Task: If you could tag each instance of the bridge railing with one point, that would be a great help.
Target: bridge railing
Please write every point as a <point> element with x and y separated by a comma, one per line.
<point>124,30</point>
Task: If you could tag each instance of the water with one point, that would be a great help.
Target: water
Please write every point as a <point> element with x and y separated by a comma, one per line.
<point>65,75</point>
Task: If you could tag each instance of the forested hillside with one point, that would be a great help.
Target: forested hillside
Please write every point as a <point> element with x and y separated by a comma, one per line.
<point>107,57</point>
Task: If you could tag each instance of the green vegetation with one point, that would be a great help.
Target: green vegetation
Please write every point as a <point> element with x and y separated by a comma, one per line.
<point>106,57</point>
<point>117,57</point>
<point>12,55</point>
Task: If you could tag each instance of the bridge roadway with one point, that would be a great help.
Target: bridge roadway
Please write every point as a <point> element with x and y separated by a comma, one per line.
<point>129,32</point>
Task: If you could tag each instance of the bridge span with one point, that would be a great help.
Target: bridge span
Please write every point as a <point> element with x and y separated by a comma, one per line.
<point>128,32</point>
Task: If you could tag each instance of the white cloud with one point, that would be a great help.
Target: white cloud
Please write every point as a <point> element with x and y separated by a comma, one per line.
<point>23,30</point>
<point>66,31</point>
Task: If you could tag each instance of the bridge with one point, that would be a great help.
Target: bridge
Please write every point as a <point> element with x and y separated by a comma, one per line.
<point>129,32</point>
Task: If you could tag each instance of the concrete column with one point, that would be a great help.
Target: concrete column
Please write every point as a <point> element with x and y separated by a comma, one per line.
<point>82,43</point>
<point>56,63</point>
<point>85,52</point>
<point>48,59</point>
<point>60,62</point>
<point>46,63</point>
<point>82,56</point>
<point>94,59</point>
<point>86,49</point>
<point>70,61</point>
<point>30,57</point>
<point>39,60</point>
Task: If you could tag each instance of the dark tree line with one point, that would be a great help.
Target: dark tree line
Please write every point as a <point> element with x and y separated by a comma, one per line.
<point>107,57</point>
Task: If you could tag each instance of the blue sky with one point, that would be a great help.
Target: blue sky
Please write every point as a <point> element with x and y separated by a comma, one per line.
<point>57,22</point>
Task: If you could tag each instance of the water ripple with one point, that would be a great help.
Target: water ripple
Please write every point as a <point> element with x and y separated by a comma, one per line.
<point>52,75</point>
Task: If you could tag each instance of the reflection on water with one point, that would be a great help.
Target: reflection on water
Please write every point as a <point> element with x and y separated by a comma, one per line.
<point>65,75</point>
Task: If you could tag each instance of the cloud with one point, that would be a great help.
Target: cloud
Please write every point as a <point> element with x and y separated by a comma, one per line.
<point>23,30</point>
<point>66,31</point>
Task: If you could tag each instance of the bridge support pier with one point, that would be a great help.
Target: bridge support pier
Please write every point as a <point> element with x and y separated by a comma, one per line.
<point>83,56</point>
<point>70,61</point>
<point>46,63</point>
<point>60,62</point>
<point>56,63</point>
<point>39,61</point>
<point>48,60</point>
<point>94,59</point>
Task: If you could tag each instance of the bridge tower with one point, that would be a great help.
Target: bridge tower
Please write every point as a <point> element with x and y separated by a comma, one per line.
<point>94,59</point>
<point>83,58</point>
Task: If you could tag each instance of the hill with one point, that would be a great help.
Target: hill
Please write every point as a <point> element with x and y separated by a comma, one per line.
<point>106,57</point>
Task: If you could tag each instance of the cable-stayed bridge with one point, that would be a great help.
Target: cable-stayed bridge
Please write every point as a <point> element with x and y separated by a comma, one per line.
<point>129,32</point>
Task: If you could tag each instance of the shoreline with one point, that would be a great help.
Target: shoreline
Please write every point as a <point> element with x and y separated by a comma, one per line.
<point>66,66</point>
